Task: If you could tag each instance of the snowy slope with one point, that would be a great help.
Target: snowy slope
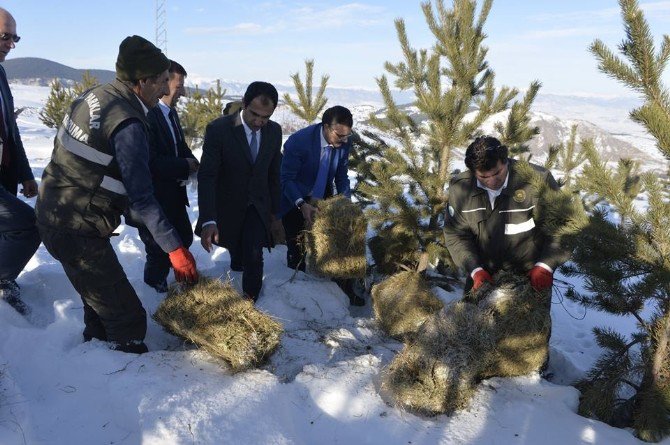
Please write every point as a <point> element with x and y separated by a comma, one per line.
<point>320,387</point>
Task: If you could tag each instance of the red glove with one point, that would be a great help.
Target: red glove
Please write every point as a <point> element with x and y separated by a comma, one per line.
<point>540,278</point>
<point>480,277</point>
<point>184,265</point>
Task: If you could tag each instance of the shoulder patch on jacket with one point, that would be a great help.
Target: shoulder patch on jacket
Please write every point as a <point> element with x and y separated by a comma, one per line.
<point>462,176</point>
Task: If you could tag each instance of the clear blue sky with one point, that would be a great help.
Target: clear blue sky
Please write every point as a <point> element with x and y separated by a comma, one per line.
<point>268,40</point>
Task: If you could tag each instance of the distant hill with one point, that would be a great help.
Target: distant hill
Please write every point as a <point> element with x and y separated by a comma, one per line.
<point>36,71</point>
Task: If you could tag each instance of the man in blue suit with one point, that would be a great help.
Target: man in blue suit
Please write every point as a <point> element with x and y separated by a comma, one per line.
<point>314,158</point>
<point>18,233</point>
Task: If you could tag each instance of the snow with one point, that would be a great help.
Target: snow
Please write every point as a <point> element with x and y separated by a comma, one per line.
<point>321,386</point>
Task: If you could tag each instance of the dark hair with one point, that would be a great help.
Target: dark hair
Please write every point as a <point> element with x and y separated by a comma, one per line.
<point>484,153</point>
<point>176,68</point>
<point>338,115</point>
<point>232,107</point>
<point>260,89</point>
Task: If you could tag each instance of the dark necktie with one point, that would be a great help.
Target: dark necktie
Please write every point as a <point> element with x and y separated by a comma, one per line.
<point>253,146</point>
<point>322,175</point>
<point>176,128</point>
<point>6,156</point>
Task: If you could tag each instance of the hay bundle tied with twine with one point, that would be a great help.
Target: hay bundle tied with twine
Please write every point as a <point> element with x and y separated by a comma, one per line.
<point>438,371</point>
<point>402,303</point>
<point>336,241</point>
<point>522,325</point>
<point>214,316</point>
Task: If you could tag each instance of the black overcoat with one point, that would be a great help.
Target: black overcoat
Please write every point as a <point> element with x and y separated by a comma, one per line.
<point>228,180</point>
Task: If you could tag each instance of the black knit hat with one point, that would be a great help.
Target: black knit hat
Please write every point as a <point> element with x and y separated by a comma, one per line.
<point>139,59</point>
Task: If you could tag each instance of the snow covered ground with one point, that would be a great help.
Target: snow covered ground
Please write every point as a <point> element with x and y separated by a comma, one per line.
<point>320,387</point>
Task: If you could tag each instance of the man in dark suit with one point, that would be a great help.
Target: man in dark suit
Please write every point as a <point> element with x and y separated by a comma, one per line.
<point>19,238</point>
<point>314,158</point>
<point>238,183</point>
<point>171,163</point>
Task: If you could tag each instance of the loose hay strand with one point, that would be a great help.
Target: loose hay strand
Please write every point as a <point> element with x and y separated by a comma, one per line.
<point>215,317</point>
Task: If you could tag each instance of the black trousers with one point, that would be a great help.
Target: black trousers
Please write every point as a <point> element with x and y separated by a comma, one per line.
<point>112,310</point>
<point>157,266</point>
<point>19,238</point>
<point>294,224</point>
<point>249,252</point>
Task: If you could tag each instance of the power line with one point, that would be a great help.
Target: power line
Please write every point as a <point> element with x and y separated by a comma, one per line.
<point>161,25</point>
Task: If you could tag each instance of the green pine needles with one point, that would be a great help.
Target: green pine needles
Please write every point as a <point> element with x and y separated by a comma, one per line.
<point>201,108</point>
<point>454,89</point>
<point>624,252</point>
<point>308,107</point>
<point>61,97</point>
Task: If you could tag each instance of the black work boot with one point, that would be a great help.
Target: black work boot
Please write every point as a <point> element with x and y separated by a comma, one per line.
<point>131,347</point>
<point>11,293</point>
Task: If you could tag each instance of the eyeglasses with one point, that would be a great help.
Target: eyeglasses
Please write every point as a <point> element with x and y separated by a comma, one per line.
<point>8,36</point>
<point>341,137</point>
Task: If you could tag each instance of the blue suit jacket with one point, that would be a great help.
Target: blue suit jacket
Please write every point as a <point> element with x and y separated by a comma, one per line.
<point>300,165</point>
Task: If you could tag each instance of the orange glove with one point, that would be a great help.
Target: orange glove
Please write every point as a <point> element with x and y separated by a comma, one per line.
<point>184,265</point>
<point>540,278</point>
<point>480,277</point>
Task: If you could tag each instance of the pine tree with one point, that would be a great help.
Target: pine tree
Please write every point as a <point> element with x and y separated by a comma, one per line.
<point>56,105</point>
<point>308,106</point>
<point>454,88</point>
<point>517,131</point>
<point>625,260</point>
<point>61,97</point>
<point>200,109</point>
<point>566,158</point>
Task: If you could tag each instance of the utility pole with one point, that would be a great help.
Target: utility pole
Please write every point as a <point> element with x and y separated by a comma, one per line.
<point>161,25</point>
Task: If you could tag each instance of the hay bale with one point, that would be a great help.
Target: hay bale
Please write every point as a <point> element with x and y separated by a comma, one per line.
<point>402,303</point>
<point>214,316</point>
<point>522,325</point>
<point>437,372</point>
<point>336,241</point>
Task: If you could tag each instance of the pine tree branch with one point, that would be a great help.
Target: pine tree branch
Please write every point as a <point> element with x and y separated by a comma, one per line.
<point>614,359</point>
<point>631,384</point>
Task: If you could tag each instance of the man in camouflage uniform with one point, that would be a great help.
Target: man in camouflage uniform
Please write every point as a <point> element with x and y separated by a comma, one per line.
<point>98,171</point>
<point>490,224</point>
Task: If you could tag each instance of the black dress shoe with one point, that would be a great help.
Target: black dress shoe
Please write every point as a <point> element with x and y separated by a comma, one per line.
<point>347,286</point>
<point>161,287</point>
<point>295,262</point>
<point>355,300</point>
<point>235,267</point>
<point>131,347</point>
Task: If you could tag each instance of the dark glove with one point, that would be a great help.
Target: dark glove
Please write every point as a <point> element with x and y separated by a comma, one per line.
<point>184,265</point>
<point>480,277</point>
<point>540,278</point>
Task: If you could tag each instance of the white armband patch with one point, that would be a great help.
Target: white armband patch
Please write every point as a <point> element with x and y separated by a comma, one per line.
<point>513,229</point>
